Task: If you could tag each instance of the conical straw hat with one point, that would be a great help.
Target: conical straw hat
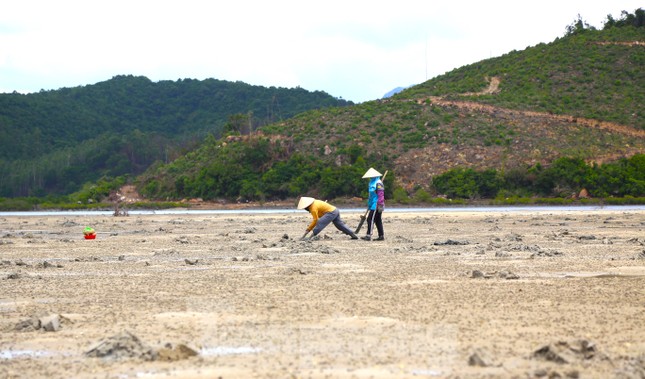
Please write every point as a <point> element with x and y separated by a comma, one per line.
<point>305,202</point>
<point>371,173</point>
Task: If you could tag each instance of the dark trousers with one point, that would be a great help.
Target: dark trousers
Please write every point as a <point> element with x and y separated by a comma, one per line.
<point>374,217</point>
<point>327,218</point>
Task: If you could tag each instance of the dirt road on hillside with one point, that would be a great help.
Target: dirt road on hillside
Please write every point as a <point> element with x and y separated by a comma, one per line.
<point>531,294</point>
<point>493,87</point>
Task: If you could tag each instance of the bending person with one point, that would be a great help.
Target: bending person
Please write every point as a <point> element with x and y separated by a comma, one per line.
<point>323,214</point>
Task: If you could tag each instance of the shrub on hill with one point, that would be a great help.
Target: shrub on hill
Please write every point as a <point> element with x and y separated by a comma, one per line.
<point>565,177</point>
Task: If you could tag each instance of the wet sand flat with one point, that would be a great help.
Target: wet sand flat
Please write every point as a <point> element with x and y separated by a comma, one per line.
<point>447,294</point>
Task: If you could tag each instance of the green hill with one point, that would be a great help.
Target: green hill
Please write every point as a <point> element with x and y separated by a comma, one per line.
<point>579,98</point>
<point>595,74</point>
<point>55,141</point>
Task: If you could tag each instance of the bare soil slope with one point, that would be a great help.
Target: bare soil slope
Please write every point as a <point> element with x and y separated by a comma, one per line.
<point>539,137</point>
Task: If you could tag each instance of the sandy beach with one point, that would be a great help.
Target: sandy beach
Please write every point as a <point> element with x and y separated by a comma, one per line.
<point>531,294</point>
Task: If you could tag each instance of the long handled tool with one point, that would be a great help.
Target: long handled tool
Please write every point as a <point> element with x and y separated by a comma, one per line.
<point>360,223</point>
<point>363,217</point>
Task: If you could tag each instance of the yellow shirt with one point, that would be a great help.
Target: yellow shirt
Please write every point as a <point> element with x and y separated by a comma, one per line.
<point>317,209</point>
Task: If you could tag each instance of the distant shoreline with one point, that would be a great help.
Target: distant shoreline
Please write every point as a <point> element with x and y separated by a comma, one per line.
<point>352,210</point>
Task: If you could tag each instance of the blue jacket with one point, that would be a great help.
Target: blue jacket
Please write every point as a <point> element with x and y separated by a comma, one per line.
<point>375,186</point>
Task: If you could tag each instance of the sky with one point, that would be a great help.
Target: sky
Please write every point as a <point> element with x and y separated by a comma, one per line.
<point>355,50</point>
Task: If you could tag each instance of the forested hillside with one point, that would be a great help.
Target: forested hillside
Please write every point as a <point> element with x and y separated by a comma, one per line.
<point>55,141</point>
<point>549,120</point>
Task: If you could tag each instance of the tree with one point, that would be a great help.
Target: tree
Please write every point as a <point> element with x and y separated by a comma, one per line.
<point>235,123</point>
<point>637,20</point>
<point>578,26</point>
<point>458,182</point>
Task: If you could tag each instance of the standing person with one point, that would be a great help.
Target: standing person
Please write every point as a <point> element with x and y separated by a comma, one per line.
<point>375,204</point>
<point>323,213</point>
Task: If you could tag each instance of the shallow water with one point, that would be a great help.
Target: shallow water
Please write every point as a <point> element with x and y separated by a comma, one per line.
<point>182,211</point>
<point>228,350</point>
<point>14,354</point>
<point>424,372</point>
<point>206,351</point>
